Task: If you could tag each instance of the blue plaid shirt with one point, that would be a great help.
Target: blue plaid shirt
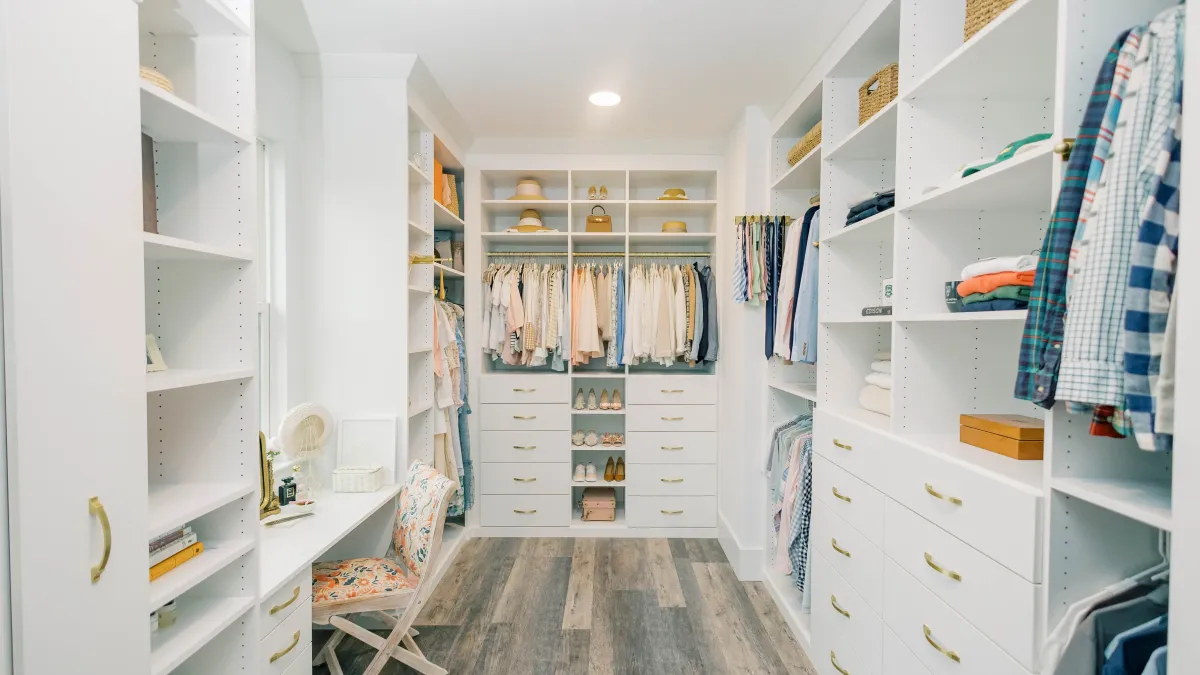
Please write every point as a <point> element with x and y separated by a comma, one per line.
<point>1041,342</point>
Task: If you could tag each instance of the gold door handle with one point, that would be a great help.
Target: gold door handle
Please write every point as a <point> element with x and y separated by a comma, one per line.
<point>524,447</point>
<point>524,391</point>
<point>671,513</point>
<point>953,656</point>
<point>525,513</point>
<point>672,391</point>
<point>953,500</point>
<point>279,608</point>
<point>672,419</point>
<point>279,655</point>
<point>671,480</point>
<point>841,496</point>
<point>1064,148</point>
<point>842,445</point>
<point>833,601</point>
<point>672,447</point>
<point>839,549</point>
<point>524,480</point>
<point>95,508</point>
<point>942,570</point>
<point>524,417</point>
<point>833,660</point>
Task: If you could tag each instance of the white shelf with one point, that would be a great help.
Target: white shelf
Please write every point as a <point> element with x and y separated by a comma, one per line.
<point>168,118</point>
<point>1022,39</point>
<point>514,207</point>
<point>806,175</point>
<point>182,579</point>
<point>525,238</point>
<point>578,522</point>
<point>416,176</point>
<point>166,380</point>
<point>175,505</point>
<point>659,207</point>
<point>1022,474</point>
<point>807,391</point>
<point>616,373</point>
<point>443,219</point>
<point>159,247</point>
<point>1022,182</point>
<point>672,237</point>
<point>598,412</point>
<point>420,229</point>
<point>420,350</point>
<point>420,289</point>
<point>1144,501</point>
<point>420,409</point>
<point>866,418</point>
<point>878,227</point>
<point>598,448</point>
<point>190,17</point>
<point>599,483</point>
<point>200,620</point>
<point>589,203</point>
<point>964,317</point>
<point>876,139</point>
<point>449,272</point>
<point>599,237</point>
<point>881,318</point>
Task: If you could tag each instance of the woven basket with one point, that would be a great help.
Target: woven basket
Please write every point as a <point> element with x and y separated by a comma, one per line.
<point>980,13</point>
<point>878,91</point>
<point>805,145</point>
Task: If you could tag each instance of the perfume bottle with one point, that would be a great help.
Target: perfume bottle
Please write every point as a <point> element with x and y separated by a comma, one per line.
<point>287,492</point>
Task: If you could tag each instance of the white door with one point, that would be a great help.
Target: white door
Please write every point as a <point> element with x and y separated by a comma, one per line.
<point>74,329</point>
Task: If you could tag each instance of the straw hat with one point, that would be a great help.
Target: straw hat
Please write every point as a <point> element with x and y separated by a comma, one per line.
<point>674,194</point>
<point>531,221</point>
<point>674,225</point>
<point>528,189</point>
<point>156,78</point>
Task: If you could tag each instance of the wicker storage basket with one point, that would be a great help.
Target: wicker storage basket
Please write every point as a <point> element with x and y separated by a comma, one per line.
<point>805,145</point>
<point>878,91</point>
<point>980,13</point>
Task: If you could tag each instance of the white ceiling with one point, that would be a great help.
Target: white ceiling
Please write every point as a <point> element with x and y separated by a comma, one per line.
<point>524,69</point>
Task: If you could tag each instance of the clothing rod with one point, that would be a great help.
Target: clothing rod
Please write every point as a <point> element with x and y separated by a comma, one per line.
<point>637,254</point>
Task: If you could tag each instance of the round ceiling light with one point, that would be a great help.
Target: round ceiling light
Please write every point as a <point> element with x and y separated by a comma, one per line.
<point>605,98</point>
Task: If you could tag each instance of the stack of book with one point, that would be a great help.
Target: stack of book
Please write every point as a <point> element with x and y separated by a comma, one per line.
<point>172,550</point>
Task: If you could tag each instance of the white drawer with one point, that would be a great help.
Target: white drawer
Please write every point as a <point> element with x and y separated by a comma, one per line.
<point>524,446</point>
<point>525,510</point>
<point>303,663</point>
<point>973,584</point>
<point>999,517</point>
<point>286,642</point>
<point>274,610</point>
<point>900,659</point>
<point>643,511</point>
<point>933,631</point>
<point>672,390</point>
<point>525,417</point>
<point>860,627</point>
<point>853,447</point>
<point>681,447</point>
<point>858,561</point>
<point>672,479</point>
<point>525,479</point>
<point>671,418</point>
<point>856,502</point>
<point>524,389</point>
<point>832,655</point>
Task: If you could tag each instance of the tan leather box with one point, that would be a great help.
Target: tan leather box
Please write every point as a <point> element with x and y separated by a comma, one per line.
<point>1001,445</point>
<point>1019,427</point>
<point>599,504</point>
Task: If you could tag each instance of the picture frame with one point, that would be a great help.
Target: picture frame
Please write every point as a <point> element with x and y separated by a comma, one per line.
<point>368,441</point>
<point>154,357</point>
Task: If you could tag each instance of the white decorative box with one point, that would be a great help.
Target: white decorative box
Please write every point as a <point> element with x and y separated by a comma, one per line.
<point>365,455</point>
<point>358,479</point>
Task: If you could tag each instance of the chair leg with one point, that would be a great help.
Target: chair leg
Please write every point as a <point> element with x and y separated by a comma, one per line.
<point>335,668</point>
<point>331,644</point>
<point>412,646</point>
<point>408,658</point>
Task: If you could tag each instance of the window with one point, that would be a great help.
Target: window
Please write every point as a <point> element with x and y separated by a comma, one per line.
<point>265,214</point>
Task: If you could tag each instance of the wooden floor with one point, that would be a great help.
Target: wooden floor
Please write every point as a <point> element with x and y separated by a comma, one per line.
<point>596,606</point>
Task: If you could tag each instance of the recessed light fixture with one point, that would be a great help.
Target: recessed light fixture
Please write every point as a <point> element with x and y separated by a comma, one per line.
<point>605,98</point>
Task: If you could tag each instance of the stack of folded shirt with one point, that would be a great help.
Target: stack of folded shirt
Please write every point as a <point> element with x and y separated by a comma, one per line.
<point>873,205</point>
<point>877,395</point>
<point>997,284</point>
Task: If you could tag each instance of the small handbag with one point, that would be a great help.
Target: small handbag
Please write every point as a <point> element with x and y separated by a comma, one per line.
<point>599,223</point>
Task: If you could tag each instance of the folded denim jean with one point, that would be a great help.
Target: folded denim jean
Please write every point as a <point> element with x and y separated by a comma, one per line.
<point>862,215</point>
<point>995,306</point>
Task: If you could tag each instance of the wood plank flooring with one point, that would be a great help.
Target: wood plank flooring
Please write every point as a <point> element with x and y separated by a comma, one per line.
<point>595,607</point>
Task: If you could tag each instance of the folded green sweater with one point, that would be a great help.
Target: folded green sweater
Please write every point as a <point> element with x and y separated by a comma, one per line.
<point>1001,293</point>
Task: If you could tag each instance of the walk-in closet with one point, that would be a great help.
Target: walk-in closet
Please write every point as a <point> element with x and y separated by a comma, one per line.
<point>768,338</point>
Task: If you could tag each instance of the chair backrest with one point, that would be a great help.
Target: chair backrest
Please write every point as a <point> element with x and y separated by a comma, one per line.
<point>420,516</point>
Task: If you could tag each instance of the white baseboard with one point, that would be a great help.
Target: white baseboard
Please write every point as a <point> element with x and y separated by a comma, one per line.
<point>747,563</point>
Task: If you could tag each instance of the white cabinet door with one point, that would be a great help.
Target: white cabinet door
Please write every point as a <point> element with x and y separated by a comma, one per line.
<point>74,334</point>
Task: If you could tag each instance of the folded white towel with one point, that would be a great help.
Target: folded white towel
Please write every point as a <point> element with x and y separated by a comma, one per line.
<point>1012,263</point>
<point>882,367</point>
<point>876,399</point>
<point>882,380</point>
<point>883,356</point>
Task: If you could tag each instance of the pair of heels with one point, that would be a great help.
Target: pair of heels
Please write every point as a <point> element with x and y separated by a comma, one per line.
<point>589,439</point>
<point>613,472</point>
<point>603,194</point>
<point>603,404</point>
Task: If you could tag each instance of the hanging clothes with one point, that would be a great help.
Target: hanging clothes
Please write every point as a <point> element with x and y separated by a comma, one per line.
<point>804,325</point>
<point>523,314</point>
<point>789,466</point>
<point>594,312</point>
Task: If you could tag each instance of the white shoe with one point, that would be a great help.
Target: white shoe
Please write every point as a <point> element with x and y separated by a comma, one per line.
<point>591,473</point>
<point>580,473</point>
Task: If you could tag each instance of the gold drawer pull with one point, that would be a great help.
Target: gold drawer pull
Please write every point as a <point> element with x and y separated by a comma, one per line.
<point>524,391</point>
<point>279,608</point>
<point>671,513</point>
<point>942,570</point>
<point>833,660</point>
<point>672,391</point>
<point>672,447</point>
<point>279,655</point>
<point>95,508</point>
<point>833,601</point>
<point>524,447</point>
<point>524,480</point>
<point>672,419</point>
<point>524,417</point>
<point>953,656</point>
<point>839,549</point>
<point>525,513</point>
<point>842,445</point>
<point>671,480</point>
<point>841,496</point>
<point>953,500</point>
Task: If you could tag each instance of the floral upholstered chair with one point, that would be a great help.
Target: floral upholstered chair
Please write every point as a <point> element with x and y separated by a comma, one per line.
<point>380,586</point>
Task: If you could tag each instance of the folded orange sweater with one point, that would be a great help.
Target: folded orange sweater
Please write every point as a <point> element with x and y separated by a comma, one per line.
<point>986,283</point>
